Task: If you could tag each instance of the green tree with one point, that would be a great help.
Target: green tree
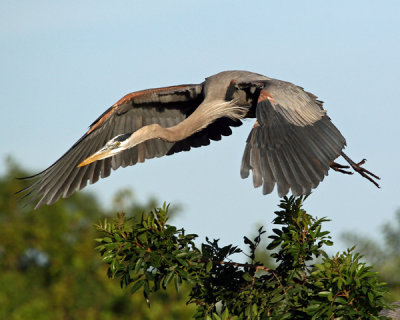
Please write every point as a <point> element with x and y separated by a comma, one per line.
<point>385,255</point>
<point>49,268</point>
<point>148,255</point>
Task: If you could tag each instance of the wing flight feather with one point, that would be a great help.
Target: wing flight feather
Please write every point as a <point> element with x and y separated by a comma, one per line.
<point>165,106</point>
<point>293,143</point>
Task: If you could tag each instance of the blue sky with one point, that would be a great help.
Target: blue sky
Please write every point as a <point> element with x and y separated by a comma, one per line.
<point>63,63</point>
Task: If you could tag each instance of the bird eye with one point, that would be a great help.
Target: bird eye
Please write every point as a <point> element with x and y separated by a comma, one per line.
<point>113,145</point>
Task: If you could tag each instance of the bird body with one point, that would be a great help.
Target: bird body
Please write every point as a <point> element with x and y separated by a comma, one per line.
<point>292,144</point>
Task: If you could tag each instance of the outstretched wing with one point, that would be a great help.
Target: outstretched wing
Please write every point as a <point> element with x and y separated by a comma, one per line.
<point>293,141</point>
<point>165,106</point>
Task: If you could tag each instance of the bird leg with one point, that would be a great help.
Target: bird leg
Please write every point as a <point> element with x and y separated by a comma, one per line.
<point>356,167</point>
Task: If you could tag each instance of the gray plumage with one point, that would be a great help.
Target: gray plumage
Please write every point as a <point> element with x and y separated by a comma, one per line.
<point>292,144</point>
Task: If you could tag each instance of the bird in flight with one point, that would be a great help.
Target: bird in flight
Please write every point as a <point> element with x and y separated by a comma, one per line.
<point>292,144</point>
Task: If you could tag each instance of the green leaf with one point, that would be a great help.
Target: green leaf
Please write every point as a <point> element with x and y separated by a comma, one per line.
<point>324,293</point>
<point>254,309</point>
<point>183,274</point>
<point>320,267</point>
<point>277,231</point>
<point>136,286</point>
<point>108,257</point>
<point>339,283</point>
<point>367,274</point>
<point>277,298</point>
<point>274,244</point>
<point>225,314</point>
<point>177,283</point>
<point>247,277</point>
<point>340,300</point>
<point>209,266</point>
<point>215,317</point>
<point>370,297</point>
<point>168,278</point>
<point>138,265</point>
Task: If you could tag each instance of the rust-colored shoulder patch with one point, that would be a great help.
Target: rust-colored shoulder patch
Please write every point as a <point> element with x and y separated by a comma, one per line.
<point>103,118</point>
<point>264,95</point>
<point>142,93</point>
<point>128,98</point>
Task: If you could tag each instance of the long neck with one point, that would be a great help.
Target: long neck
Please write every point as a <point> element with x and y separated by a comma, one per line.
<point>206,113</point>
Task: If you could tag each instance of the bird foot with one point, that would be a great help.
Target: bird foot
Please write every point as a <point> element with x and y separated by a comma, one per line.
<point>358,168</point>
<point>340,168</point>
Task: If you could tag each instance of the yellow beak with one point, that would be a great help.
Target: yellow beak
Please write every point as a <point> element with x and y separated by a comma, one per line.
<point>101,154</point>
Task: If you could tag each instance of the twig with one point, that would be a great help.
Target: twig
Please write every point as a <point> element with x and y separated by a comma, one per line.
<point>237,264</point>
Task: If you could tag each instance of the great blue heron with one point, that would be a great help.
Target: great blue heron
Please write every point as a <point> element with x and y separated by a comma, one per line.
<point>293,142</point>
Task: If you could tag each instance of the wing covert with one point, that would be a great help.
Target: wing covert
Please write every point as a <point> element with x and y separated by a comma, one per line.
<point>165,106</point>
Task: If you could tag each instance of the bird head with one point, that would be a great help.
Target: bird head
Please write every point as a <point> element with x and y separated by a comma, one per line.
<point>112,147</point>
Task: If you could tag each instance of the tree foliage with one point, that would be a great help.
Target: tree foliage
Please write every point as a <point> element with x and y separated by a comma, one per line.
<point>50,270</point>
<point>149,254</point>
<point>384,255</point>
